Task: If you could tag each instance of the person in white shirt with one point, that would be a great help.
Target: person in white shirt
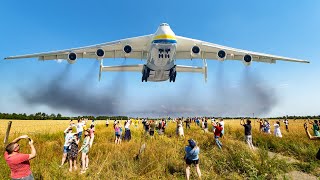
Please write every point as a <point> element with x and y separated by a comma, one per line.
<point>68,135</point>
<point>79,127</point>
<point>277,131</point>
<point>127,135</point>
<point>222,125</point>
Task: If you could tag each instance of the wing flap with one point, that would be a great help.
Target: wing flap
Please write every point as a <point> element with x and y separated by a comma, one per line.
<point>123,68</point>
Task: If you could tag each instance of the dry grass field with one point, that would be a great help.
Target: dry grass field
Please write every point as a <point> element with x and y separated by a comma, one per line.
<point>163,156</point>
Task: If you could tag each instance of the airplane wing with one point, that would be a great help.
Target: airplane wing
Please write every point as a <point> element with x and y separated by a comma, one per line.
<point>208,50</point>
<point>114,49</point>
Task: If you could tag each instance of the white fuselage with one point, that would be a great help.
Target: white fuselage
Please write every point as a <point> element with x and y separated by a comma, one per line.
<point>162,53</point>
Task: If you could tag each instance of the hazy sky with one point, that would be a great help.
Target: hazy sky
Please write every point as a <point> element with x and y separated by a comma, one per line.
<point>286,28</point>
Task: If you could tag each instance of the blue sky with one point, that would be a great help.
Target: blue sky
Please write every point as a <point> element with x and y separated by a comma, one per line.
<point>276,27</point>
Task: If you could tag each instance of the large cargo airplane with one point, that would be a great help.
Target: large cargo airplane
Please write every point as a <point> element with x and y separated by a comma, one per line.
<point>160,50</point>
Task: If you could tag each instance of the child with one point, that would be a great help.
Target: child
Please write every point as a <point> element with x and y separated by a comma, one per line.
<point>73,152</point>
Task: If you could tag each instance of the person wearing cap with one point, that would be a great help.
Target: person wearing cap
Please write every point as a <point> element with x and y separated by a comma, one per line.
<point>68,135</point>
<point>192,157</point>
<point>19,163</point>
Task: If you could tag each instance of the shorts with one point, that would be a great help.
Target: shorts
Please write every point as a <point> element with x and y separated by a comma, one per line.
<point>189,161</point>
<point>118,135</point>
<point>79,134</point>
<point>85,150</point>
<point>66,149</point>
<point>30,177</point>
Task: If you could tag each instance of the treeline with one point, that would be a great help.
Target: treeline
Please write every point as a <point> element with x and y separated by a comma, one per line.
<point>44,116</point>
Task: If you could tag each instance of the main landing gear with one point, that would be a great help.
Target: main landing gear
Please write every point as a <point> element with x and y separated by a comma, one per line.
<point>172,74</point>
<point>145,73</point>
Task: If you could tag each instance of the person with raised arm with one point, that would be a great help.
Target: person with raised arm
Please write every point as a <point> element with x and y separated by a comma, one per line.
<point>19,163</point>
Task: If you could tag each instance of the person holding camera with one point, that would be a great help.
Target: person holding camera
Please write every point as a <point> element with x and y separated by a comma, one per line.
<point>192,157</point>
<point>19,163</point>
<point>247,132</point>
<point>68,135</point>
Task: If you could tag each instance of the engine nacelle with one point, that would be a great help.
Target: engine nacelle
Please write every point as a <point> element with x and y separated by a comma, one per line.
<point>247,59</point>
<point>100,53</point>
<point>72,58</point>
<point>221,55</point>
<point>127,49</point>
<point>195,51</point>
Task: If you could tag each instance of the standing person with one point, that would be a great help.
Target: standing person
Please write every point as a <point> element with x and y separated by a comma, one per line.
<point>247,132</point>
<point>261,125</point>
<point>213,123</point>
<point>19,163</point>
<point>152,128</point>
<point>91,134</point>
<point>146,127</point>
<point>79,126</point>
<point>127,135</point>
<point>315,127</point>
<point>188,121</point>
<point>163,126</point>
<point>192,157</point>
<point>222,125</point>
<point>107,122</point>
<point>217,134</point>
<point>277,131</point>
<point>205,126</point>
<point>117,133</point>
<point>179,122</point>
<point>84,152</point>
<point>68,135</point>
<point>286,122</point>
<point>73,152</point>
<point>309,135</point>
<point>267,127</point>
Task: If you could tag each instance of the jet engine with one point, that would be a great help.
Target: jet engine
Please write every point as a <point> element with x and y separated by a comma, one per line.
<point>247,59</point>
<point>127,49</point>
<point>100,53</point>
<point>222,55</point>
<point>195,51</point>
<point>72,57</point>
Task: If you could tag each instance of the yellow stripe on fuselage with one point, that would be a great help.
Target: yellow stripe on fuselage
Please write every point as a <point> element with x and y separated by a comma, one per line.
<point>164,36</point>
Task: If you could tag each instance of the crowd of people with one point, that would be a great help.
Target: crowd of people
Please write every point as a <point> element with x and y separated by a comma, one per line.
<point>72,140</point>
<point>84,136</point>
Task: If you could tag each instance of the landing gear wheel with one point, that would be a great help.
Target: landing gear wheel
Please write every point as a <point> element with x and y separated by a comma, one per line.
<point>174,76</point>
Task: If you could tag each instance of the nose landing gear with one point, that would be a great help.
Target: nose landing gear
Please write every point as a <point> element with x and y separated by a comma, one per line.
<point>145,73</point>
<point>173,74</point>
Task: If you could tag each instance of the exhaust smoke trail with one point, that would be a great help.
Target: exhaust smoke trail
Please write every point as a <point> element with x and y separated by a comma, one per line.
<point>78,97</point>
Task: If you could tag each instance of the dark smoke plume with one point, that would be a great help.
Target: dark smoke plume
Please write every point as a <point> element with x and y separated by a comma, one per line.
<point>79,97</point>
<point>250,95</point>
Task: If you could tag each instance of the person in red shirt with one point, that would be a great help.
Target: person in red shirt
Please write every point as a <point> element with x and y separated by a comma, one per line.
<point>19,163</point>
<point>217,134</point>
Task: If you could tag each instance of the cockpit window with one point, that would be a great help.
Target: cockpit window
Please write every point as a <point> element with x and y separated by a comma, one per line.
<point>164,24</point>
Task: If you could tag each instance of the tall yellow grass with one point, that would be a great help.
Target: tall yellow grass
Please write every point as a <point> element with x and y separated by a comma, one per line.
<point>163,156</point>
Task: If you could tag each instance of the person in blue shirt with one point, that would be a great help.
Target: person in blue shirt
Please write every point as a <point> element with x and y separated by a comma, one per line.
<point>192,157</point>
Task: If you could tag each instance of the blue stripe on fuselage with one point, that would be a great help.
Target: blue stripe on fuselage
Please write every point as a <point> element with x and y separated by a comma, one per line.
<point>165,41</point>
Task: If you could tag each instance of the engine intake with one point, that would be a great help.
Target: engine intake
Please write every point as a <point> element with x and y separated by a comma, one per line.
<point>72,57</point>
<point>222,55</point>
<point>100,53</point>
<point>247,59</point>
<point>127,49</point>
<point>195,51</point>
